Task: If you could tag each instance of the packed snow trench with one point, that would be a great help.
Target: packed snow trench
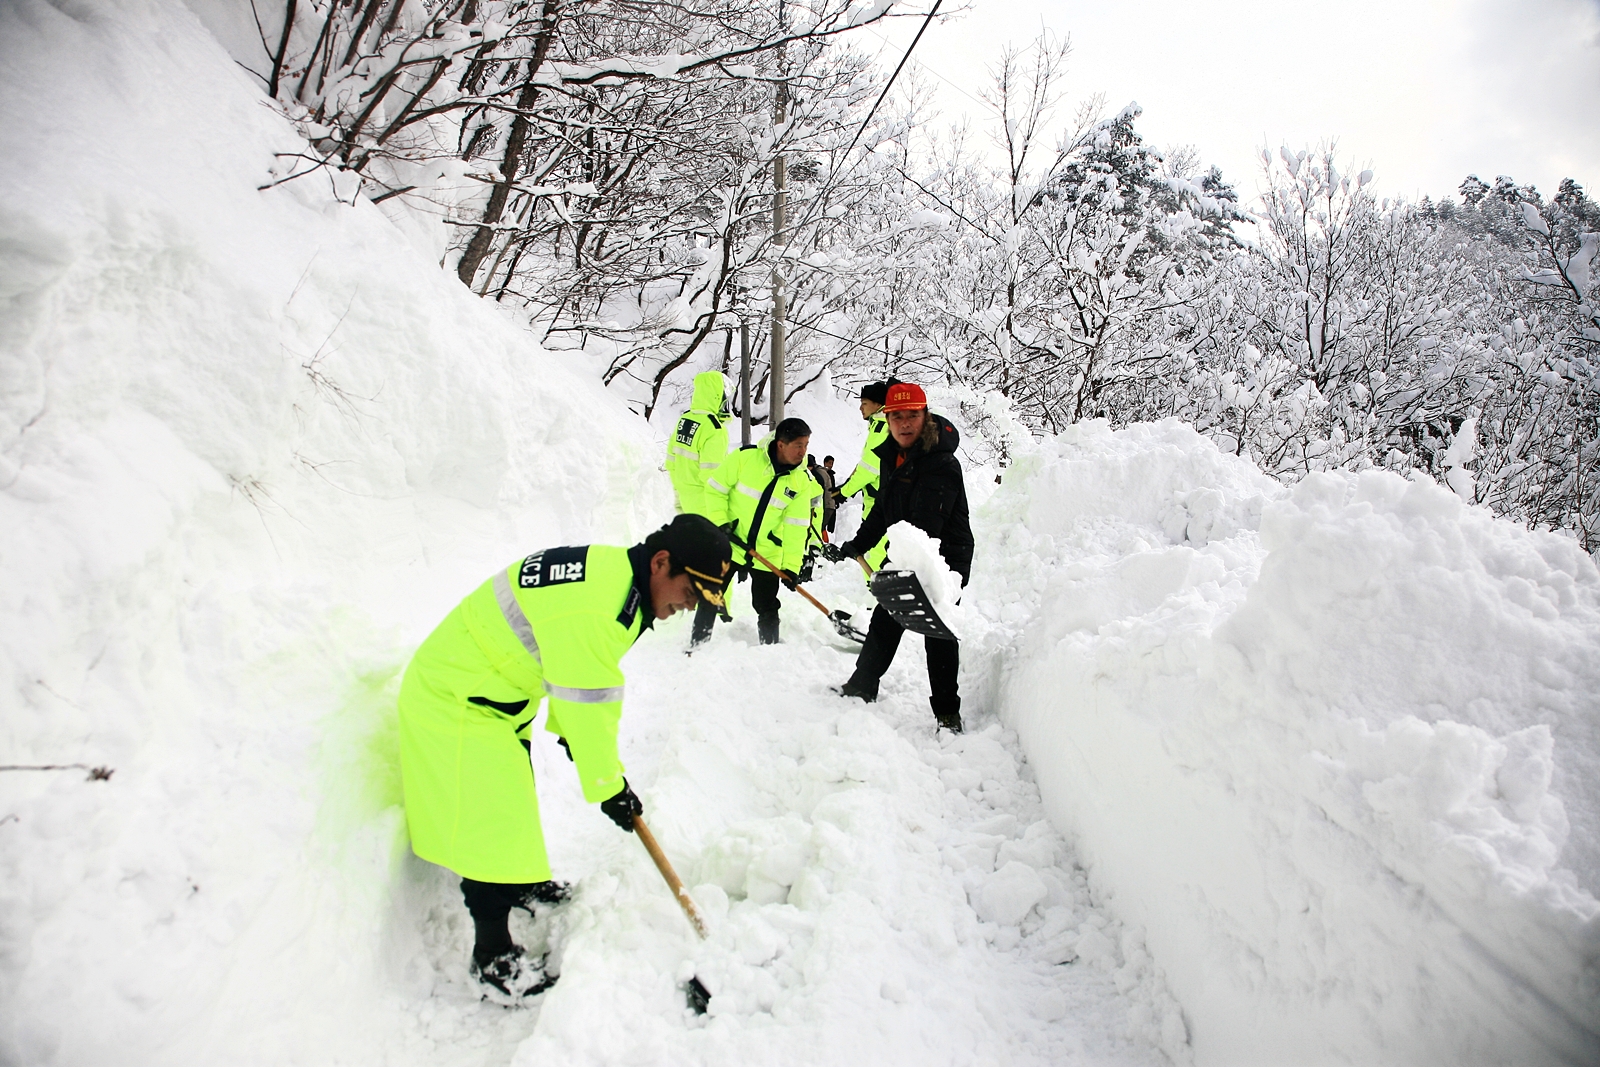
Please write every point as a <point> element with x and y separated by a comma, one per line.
<point>1254,774</point>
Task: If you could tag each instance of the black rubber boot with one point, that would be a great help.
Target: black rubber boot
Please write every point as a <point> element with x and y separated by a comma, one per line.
<point>547,894</point>
<point>853,688</point>
<point>506,973</point>
<point>705,617</point>
<point>508,977</point>
<point>767,627</point>
<point>947,713</point>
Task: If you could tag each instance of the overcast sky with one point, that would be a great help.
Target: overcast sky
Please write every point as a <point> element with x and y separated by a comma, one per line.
<point>1423,91</point>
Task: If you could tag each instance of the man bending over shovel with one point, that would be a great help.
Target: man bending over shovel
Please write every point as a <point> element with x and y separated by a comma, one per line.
<point>555,623</point>
<point>920,483</point>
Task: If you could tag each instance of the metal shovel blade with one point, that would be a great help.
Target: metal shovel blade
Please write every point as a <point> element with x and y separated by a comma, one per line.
<point>841,622</point>
<point>698,995</point>
<point>902,596</point>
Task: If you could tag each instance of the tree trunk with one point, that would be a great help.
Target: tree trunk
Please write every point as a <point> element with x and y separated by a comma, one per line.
<point>478,247</point>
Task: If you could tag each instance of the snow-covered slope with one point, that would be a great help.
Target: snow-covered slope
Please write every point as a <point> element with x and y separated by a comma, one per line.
<point>253,449</point>
<point>1336,749</point>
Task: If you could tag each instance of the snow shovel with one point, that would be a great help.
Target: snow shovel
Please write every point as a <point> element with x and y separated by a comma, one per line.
<point>902,596</point>
<point>840,619</point>
<point>699,996</point>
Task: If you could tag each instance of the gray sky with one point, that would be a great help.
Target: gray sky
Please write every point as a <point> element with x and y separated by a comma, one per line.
<point>1423,91</point>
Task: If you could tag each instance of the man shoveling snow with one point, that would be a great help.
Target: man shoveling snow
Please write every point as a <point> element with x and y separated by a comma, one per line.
<point>920,484</point>
<point>557,622</point>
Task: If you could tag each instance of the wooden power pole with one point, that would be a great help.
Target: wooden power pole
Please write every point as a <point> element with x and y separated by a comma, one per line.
<point>780,238</point>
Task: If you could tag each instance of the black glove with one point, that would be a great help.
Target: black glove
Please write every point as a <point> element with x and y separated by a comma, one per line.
<point>622,808</point>
<point>562,741</point>
<point>789,581</point>
<point>833,553</point>
<point>805,573</point>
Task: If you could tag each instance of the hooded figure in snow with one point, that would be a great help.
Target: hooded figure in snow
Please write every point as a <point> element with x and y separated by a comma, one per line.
<point>699,442</point>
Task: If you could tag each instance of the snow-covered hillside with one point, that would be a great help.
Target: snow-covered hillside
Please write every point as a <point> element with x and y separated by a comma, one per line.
<point>1253,775</point>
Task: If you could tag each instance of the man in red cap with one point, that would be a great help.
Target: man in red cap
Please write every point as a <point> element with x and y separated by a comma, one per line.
<point>920,483</point>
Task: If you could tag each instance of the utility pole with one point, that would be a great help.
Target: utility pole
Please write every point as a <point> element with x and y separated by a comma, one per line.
<point>744,382</point>
<point>780,238</point>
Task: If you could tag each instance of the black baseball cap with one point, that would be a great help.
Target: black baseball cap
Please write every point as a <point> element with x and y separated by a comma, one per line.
<point>702,550</point>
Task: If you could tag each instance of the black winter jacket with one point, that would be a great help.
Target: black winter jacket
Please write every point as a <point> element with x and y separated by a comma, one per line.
<point>926,490</point>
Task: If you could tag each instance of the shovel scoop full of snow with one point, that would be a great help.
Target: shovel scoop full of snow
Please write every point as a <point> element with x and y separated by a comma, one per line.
<point>902,596</point>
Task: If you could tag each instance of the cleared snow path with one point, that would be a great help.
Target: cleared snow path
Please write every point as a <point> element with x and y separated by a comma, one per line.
<point>876,892</point>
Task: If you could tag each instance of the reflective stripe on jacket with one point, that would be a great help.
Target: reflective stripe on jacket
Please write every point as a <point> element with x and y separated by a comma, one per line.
<point>698,442</point>
<point>867,476</point>
<point>558,623</point>
<point>772,512</point>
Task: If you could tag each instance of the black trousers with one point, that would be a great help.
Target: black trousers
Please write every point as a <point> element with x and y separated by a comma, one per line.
<point>490,904</point>
<point>763,596</point>
<point>883,641</point>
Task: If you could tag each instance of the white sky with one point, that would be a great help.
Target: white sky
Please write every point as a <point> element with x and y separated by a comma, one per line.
<point>1423,91</point>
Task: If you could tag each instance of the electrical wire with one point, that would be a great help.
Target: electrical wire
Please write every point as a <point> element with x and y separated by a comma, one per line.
<point>822,196</point>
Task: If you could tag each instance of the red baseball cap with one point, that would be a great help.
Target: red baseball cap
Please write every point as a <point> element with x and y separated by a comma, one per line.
<point>905,396</point>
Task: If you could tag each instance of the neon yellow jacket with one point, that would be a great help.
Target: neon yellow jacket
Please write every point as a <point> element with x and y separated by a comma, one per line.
<point>771,512</point>
<point>699,442</point>
<point>866,476</point>
<point>555,624</point>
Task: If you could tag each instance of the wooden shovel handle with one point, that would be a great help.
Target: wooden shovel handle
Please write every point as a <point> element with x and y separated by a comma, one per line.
<point>798,588</point>
<point>685,901</point>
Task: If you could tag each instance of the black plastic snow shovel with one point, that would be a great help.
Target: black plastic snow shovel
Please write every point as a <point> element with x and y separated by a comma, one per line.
<point>840,619</point>
<point>698,995</point>
<point>902,596</point>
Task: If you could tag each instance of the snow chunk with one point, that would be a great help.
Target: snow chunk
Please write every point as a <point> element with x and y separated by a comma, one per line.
<point>1463,449</point>
<point>927,220</point>
<point>1534,220</point>
<point>862,14</point>
<point>911,549</point>
<point>1008,894</point>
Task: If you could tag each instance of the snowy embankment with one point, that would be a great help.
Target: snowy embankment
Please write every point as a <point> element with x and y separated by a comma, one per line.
<point>252,448</point>
<point>1336,748</point>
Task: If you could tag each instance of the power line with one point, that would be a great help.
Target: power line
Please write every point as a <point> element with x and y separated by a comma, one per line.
<point>924,66</point>
<point>821,196</point>
<point>920,31</point>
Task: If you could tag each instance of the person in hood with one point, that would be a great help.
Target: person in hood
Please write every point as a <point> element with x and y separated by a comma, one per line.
<point>553,624</point>
<point>699,442</point>
<point>767,500</point>
<point>920,483</point>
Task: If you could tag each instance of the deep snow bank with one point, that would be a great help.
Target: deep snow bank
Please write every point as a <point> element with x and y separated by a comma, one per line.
<point>251,449</point>
<point>1334,747</point>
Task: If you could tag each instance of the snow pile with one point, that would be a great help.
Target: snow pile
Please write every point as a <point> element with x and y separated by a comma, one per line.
<point>876,892</point>
<point>1334,747</point>
<point>912,550</point>
<point>253,449</point>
